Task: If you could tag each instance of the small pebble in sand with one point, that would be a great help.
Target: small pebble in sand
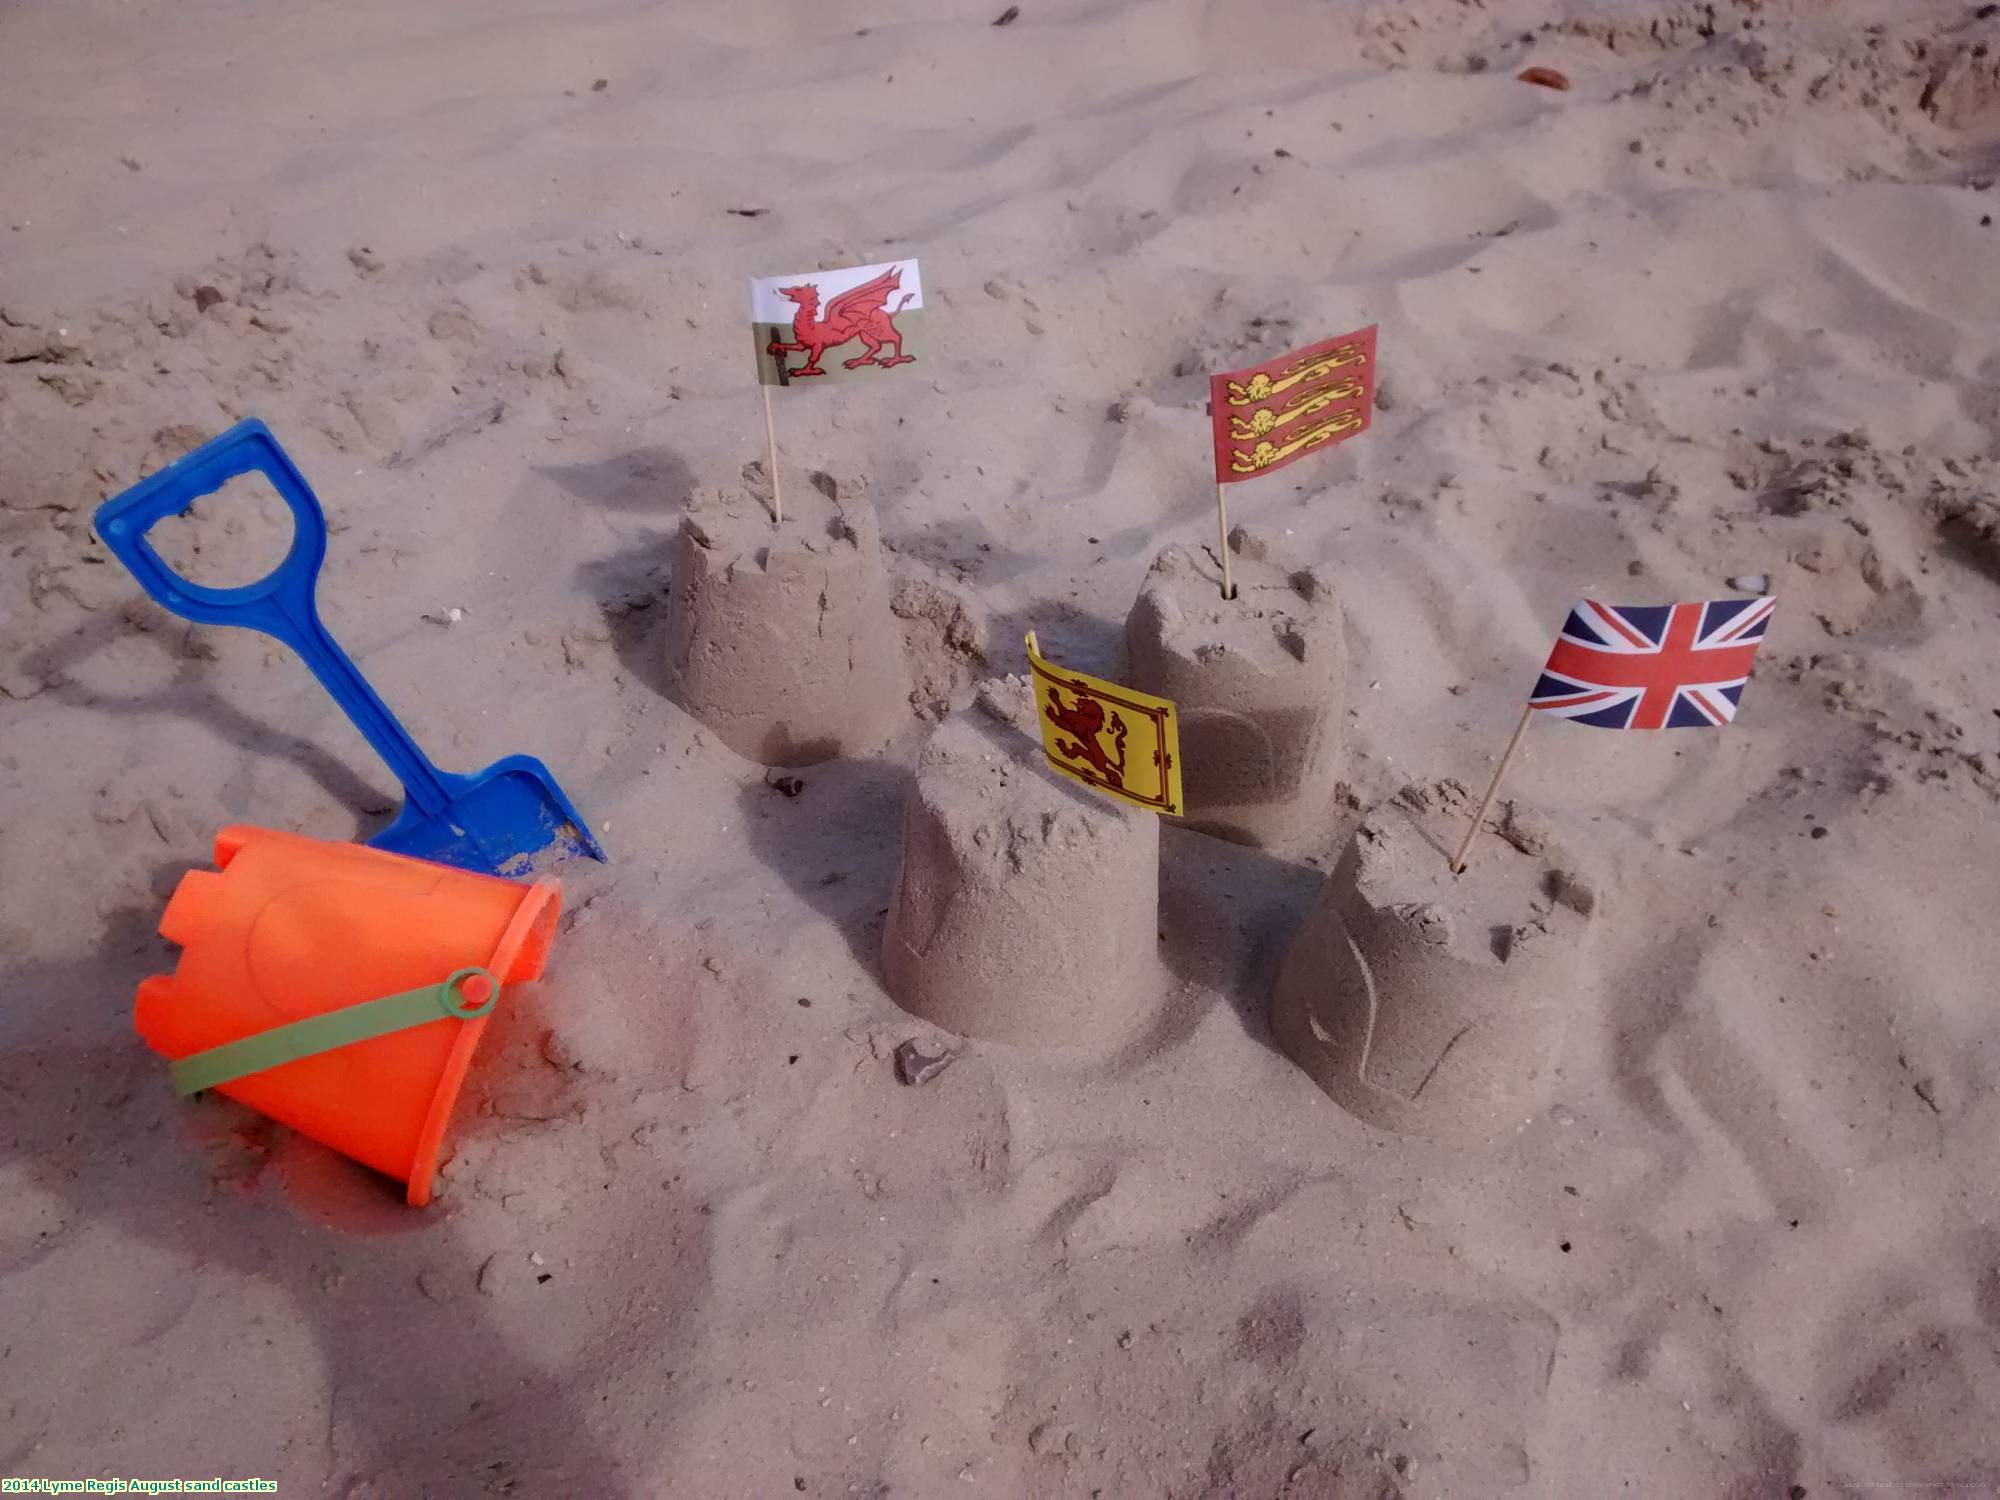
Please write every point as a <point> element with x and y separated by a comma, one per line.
<point>914,1065</point>
<point>1548,78</point>
<point>446,617</point>
<point>1751,583</point>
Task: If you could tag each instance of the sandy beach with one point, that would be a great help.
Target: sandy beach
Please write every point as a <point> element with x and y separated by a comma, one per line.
<point>1724,308</point>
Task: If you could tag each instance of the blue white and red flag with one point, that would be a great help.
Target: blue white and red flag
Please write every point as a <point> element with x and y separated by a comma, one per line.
<point>1666,666</point>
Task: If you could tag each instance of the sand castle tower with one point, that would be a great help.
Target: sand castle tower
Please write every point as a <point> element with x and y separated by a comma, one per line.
<point>1260,681</point>
<point>1026,909</point>
<point>779,637</point>
<point>1428,1004</point>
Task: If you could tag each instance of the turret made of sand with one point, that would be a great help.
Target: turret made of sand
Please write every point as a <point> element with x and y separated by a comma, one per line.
<point>779,636</point>
<point>1026,909</point>
<point>1260,683</point>
<point>1429,1004</point>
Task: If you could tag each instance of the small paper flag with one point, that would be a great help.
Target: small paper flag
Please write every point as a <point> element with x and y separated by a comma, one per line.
<point>859,320</point>
<point>1123,742</point>
<point>1658,666</point>
<point>1276,413</point>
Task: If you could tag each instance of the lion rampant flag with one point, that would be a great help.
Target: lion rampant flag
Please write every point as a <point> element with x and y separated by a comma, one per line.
<point>1121,741</point>
<point>1273,414</point>
<point>838,323</point>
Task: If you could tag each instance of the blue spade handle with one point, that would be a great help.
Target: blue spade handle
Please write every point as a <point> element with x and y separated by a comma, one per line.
<point>280,604</point>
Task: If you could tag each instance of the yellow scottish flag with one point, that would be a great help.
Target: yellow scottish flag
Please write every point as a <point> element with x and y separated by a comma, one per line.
<point>1121,741</point>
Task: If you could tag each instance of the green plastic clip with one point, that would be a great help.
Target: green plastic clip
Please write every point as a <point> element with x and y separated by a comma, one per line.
<point>467,995</point>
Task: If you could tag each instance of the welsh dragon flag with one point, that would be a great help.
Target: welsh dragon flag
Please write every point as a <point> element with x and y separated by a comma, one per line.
<point>856,321</point>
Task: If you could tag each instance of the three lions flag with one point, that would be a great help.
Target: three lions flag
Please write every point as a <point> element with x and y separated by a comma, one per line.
<point>1116,739</point>
<point>1276,413</point>
<point>857,321</point>
<point>1623,666</point>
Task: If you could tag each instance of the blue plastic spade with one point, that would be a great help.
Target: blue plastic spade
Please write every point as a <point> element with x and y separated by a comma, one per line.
<point>486,822</point>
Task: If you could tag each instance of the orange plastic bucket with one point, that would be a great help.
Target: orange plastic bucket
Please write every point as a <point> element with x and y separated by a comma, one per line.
<point>296,928</point>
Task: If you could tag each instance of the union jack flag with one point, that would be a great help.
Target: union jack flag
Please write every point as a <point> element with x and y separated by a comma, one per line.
<point>1666,666</point>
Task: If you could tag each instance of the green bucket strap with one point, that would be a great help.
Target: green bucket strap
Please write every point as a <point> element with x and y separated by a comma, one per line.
<point>337,1028</point>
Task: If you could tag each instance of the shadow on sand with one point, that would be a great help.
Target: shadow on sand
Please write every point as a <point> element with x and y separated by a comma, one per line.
<point>425,1397</point>
<point>645,481</point>
<point>836,843</point>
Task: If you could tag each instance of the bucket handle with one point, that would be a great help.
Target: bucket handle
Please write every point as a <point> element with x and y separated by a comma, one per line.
<point>465,996</point>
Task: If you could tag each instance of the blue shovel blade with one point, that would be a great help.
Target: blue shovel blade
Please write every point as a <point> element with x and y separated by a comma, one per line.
<point>494,821</point>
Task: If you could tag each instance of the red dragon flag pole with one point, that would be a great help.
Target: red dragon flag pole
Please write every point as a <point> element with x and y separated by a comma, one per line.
<point>1647,666</point>
<point>1275,413</point>
<point>878,308</point>
<point>771,448</point>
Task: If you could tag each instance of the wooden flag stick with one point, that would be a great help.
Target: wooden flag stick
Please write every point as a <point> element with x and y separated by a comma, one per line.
<point>771,440</point>
<point>1222,536</point>
<point>1458,860</point>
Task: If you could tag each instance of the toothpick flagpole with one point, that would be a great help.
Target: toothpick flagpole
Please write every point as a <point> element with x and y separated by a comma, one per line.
<point>771,440</point>
<point>1222,538</point>
<point>1458,859</point>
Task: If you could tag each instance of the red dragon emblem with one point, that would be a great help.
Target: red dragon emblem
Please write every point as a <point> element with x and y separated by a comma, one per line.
<point>859,313</point>
<point>1086,722</point>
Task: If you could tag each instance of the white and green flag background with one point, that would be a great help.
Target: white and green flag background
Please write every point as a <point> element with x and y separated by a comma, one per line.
<point>888,308</point>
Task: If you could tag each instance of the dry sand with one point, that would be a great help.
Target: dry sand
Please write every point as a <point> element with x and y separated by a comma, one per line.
<point>1725,307</point>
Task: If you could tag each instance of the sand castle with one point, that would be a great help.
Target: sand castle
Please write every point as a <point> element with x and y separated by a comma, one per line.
<point>1026,909</point>
<point>780,637</point>
<point>1259,680</point>
<point>1430,1004</point>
